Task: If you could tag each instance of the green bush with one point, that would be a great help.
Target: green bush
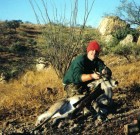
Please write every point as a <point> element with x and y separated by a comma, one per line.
<point>23,50</point>
<point>23,33</point>
<point>31,42</point>
<point>3,49</point>
<point>18,49</point>
<point>135,33</point>
<point>120,33</point>
<point>108,48</point>
<point>14,24</point>
<point>136,51</point>
<point>124,50</point>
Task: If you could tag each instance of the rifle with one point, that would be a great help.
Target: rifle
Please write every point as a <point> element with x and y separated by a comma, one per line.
<point>87,99</point>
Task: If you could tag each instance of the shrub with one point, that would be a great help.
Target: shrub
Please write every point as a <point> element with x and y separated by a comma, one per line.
<point>22,50</point>
<point>62,44</point>
<point>14,24</point>
<point>31,42</point>
<point>136,51</point>
<point>120,33</point>
<point>109,47</point>
<point>23,33</point>
<point>135,33</point>
<point>124,50</point>
<point>3,48</point>
<point>18,49</point>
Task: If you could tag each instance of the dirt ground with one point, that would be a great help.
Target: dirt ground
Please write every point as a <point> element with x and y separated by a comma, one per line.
<point>125,109</point>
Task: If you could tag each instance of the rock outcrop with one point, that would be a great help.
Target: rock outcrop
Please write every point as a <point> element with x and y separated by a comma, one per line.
<point>108,38</point>
<point>109,24</point>
<point>41,64</point>
<point>128,39</point>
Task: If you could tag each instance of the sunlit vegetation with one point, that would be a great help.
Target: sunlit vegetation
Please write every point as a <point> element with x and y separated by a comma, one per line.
<point>25,92</point>
<point>30,92</point>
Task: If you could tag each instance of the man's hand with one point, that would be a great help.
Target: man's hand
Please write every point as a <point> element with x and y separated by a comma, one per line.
<point>95,76</point>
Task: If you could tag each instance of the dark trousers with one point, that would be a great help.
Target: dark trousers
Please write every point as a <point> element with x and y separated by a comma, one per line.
<point>73,89</point>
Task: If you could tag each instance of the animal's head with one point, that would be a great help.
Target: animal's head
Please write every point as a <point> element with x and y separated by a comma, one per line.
<point>104,82</point>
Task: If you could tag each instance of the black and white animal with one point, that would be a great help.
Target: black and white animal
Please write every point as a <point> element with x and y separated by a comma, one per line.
<point>62,108</point>
<point>107,85</point>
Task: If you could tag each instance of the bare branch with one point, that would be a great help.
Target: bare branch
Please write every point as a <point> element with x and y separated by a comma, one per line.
<point>37,18</point>
<point>64,42</point>
<point>47,16</point>
<point>129,11</point>
<point>40,12</point>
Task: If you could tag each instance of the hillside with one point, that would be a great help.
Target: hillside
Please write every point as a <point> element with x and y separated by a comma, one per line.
<point>16,47</point>
<point>32,100</point>
<point>24,95</point>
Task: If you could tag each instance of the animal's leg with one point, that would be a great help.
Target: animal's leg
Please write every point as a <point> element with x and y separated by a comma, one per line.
<point>56,120</point>
<point>45,116</point>
<point>107,97</point>
<point>108,92</point>
<point>51,111</point>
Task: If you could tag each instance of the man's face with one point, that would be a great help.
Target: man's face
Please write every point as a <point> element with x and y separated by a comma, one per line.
<point>92,54</point>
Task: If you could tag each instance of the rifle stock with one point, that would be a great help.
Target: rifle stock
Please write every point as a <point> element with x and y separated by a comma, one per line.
<point>87,99</point>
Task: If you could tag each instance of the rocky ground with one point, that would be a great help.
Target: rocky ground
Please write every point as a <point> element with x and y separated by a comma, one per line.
<point>124,110</point>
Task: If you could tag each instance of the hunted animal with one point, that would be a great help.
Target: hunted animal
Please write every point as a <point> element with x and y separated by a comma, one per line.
<point>63,108</point>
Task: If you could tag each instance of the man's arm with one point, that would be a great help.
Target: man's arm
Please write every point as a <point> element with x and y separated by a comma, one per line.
<point>88,77</point>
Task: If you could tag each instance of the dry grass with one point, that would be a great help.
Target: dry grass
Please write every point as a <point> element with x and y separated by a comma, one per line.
<point>29,93</point>
<point>126,73</point>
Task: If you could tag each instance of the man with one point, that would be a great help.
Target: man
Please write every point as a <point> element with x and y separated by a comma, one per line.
<point>83,70</point>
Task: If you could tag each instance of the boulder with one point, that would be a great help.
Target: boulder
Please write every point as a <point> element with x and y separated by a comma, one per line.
<point>128,39</point>
<point>41,64</point>
<point>108,38</point>
<point>109,24</point>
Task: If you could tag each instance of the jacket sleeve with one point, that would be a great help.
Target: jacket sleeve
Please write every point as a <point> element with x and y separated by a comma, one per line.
<point>78,70</point>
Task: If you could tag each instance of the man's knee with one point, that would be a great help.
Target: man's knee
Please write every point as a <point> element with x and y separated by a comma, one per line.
<point>71,90</point>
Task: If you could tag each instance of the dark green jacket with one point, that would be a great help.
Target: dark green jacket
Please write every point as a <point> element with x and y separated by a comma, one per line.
<point>82,65</point>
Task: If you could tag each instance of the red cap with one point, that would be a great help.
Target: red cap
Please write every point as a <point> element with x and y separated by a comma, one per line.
<point>93,45</point>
